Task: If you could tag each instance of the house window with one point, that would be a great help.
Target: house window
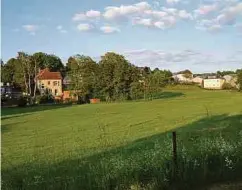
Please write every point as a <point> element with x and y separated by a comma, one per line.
<point>58,83</point>
<point>42,86</point>
<point>48,82</point>
<point>56,92</point>
<point>55,83</point>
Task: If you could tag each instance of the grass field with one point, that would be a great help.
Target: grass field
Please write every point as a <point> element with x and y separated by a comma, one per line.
<point>124,145</point>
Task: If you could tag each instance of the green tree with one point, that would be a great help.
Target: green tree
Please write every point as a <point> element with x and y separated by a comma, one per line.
<point>116,75</point>
<point>239,80</point>
<point>82,71</point>
<point>7,71</point>
<point>52,62</point>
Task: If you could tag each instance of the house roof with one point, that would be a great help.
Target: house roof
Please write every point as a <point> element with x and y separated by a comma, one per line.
<point>46,74</point>
<point>184,72</point>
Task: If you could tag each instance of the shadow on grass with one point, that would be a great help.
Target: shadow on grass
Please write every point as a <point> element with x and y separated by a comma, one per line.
<point>8,127</point>
<point>167,95</point>
<point>8,113</point>
<point>209,151</point>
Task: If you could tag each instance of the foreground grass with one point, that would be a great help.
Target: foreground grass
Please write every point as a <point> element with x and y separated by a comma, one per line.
<point>124,145</point>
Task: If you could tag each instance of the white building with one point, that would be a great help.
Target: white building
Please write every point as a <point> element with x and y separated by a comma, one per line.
<point>182,78</point>
<point>198,80</point>
<point>213,83</point>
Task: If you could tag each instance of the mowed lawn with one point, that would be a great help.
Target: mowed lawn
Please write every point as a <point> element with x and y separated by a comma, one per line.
<point>103,146</point>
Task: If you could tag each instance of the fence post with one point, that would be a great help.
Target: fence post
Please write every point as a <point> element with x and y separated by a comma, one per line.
<point>174,151</point>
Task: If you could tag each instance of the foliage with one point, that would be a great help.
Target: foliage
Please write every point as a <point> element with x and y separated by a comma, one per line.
<point>22,101</point>
<point>239,80</point>
<point>82,71</point>
<point>227,86</point>
<point>52,62</point>
<point>223,73</point>
<point>44,99</point>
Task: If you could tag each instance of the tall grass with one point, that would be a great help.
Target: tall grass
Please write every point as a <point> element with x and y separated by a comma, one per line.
<point>205,155</point>
<point>124,146</point>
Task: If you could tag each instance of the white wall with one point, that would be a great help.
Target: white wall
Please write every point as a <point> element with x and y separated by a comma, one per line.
<point>213,83</point>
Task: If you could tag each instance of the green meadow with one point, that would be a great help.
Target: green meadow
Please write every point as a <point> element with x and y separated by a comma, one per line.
<point>125,145</point>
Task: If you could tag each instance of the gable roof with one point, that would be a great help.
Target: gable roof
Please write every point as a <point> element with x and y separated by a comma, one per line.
<point>45,74</point>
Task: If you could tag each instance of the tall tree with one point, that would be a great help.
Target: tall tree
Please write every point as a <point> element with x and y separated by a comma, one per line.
<point>82,71</point>
<point>7,71</point>
<point>116,76</point>
<point>239,80</point>
<point>52,62</point>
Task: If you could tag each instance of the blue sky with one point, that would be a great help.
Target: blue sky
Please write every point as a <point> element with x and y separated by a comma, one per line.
<point>201,35</point>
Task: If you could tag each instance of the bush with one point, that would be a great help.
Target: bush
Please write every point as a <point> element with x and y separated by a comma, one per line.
<point>22,102</point>
<point>45,99</point>
<point>227,86</point>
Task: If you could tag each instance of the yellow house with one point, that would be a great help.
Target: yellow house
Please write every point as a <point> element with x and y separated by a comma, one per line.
<point>213,83</point>
<point>49,82</point>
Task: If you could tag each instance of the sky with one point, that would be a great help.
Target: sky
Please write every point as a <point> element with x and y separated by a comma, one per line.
<point>200,35</point>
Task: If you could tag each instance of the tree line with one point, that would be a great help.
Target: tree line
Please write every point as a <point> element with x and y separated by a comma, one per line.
<point>112,78</point>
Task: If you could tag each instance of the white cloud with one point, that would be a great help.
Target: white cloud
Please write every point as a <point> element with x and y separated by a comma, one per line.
<point>144,21</point>
<point>156,14</point>
<point>171,11</point>
<point>124,11</point>
<point>85,27</point>
<point>31,28</point>
<point>209,25</point>
<point>93,14</point>
<point>172,1</point>
<point>164,23</point>
<point>109,29</point>
<point>160,25</point>
<point>179,60</point>
<point>214,28</point>
<point>229,14</point>
<point>184,14</point>
<point>206,9</point>
<point>85,16</point>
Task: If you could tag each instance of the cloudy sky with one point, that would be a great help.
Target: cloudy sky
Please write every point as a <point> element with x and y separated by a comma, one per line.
<point>201,35</point>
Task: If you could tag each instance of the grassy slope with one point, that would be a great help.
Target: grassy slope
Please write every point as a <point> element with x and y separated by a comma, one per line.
<point>55,137</point>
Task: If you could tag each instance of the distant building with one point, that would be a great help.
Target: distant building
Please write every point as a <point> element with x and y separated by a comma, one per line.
<point>49,82</point>
<point>185,76</point>
<point>213,83</point>
<point>198,80</point>
<point>9,90</point>
<point>212,77</point>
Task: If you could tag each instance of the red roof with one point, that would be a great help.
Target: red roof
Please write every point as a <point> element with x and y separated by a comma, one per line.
<point>45,74</point>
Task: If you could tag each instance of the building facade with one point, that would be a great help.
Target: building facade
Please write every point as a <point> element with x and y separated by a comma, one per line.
<point>213,83</point>
<point>49,82</point>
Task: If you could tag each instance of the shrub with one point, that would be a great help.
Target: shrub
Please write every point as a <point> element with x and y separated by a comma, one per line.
<point>22,101</point>
<point>227,86</point>
<point>45,99</point>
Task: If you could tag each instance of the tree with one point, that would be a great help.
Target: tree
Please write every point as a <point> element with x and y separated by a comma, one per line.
<point>239,80</point>
<point>52,62</point>
<point>83,73</point>
<point>116,75</point>
<point>223,73</point>
<point>7,71</point>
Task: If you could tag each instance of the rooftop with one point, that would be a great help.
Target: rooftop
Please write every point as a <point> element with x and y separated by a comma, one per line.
<point>45,74</point>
